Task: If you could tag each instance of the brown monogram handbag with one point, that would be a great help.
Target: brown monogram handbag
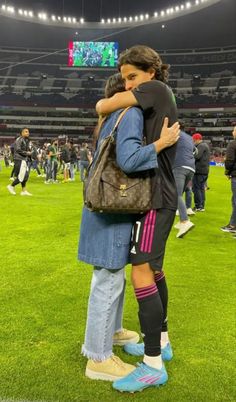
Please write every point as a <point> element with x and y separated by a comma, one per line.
<point>108,189</point>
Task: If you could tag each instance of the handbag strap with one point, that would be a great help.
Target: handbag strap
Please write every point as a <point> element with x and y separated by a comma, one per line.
<point>112,133</point>
<point>121,115</point>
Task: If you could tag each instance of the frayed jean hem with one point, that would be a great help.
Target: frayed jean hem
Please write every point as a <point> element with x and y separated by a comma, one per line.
<point>95,356</point>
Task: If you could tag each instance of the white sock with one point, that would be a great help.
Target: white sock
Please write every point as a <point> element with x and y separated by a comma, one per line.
<point>153,361</point>
<point>164,339</point>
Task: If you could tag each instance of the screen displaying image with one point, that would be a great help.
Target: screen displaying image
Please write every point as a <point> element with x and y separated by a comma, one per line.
<point>93,54</point>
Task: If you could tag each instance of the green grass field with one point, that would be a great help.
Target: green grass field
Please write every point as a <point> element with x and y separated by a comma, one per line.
<point>44,294</point>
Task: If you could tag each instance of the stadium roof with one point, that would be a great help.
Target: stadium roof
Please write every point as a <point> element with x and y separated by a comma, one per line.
<point>213,26</point>
<point>95,10</point>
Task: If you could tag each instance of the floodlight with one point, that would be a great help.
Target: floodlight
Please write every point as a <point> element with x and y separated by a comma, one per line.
<point>10,9</point>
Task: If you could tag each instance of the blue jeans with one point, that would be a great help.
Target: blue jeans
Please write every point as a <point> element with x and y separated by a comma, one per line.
<point>104,315</point>
<point>182,177</point>
<point>83,167</point>
<point>188,196</point>
<point>233,188</point>
<point>72,170</point>
<point>51,170</point>
<point>199,181</point>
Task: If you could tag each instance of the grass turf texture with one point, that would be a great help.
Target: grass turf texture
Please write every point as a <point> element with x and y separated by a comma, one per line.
<point>44,294</point>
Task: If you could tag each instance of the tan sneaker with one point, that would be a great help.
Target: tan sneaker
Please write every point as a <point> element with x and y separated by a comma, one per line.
<point>110,369</point>
<point>125,336</point>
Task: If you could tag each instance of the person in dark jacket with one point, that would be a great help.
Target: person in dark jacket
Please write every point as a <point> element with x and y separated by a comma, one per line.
<point>202,158</point>
<point>230,171</point>
<point>22,157</point>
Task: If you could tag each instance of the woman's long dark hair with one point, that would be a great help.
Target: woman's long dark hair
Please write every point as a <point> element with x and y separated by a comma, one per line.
<point>114,84</point>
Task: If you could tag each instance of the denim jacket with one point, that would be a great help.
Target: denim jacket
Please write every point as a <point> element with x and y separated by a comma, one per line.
<point>105,238</point>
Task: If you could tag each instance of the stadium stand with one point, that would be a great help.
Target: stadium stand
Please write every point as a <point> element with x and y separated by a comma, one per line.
<point>53,99</point>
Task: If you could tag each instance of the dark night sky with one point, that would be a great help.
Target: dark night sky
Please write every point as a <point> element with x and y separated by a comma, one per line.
<point>94,10</point>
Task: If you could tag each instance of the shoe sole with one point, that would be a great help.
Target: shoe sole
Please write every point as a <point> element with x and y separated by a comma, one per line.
<point>93,375</point>
<point>228,231</point>
<point>125,341</point>
<point>183,234</point>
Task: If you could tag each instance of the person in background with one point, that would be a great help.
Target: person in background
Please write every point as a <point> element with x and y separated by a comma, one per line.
<point>34,158</point>
<point>65,158</point>
<point>73,160</point>
<point>202,158</point>
<point>12,147</point>
<point>85,159</point>
<point>6,155</point>
<point>53,163</point>
<point>230,171</point>
<point>22,157</point>
<point>183,170</point>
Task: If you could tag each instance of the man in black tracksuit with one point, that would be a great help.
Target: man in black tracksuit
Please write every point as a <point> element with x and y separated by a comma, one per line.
<point>230,171</point>
<point>22,155</point>
<point>202,158</point>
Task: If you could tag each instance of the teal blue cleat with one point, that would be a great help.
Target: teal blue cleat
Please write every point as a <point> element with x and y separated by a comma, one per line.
<point>167,353</point>
<point>137,349</point>
<point>142,377</point>
<point>134,349</point>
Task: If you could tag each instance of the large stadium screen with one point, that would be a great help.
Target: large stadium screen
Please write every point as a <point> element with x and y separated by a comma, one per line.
<point>93,54</point>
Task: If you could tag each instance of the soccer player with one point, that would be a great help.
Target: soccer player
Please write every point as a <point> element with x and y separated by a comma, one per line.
<point>145,79</point>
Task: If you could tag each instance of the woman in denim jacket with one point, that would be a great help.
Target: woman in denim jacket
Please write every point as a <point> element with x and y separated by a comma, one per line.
<point>105,243</point>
